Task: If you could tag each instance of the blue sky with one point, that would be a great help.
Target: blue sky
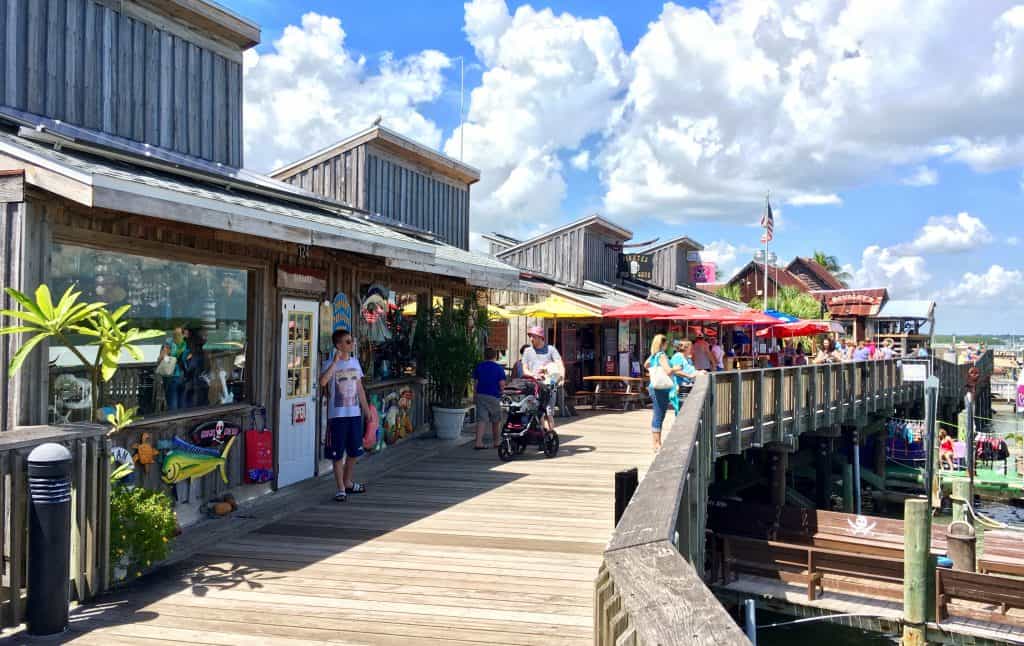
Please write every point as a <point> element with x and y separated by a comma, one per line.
<point>880,143</point>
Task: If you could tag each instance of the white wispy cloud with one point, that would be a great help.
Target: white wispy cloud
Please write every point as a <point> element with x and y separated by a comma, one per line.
<point>922,176</point>
<point>949,234</point>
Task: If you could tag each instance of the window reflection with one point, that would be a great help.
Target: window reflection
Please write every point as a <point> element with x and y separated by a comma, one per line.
<point>202,308</point>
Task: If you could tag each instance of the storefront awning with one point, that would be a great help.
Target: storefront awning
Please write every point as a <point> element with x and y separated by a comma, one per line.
<point>95,181</point>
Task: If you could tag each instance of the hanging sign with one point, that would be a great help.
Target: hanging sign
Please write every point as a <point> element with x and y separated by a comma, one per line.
<point>704,272</point>
<point>213,433</point>
<point>636,265</point>
<point>915,371</point>
<point>302,279</point>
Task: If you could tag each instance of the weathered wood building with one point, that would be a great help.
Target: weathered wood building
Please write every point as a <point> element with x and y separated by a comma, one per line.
<point>380,171</point>
<point>584,262</point>
<point>125,180</point>
<point>813,275</point>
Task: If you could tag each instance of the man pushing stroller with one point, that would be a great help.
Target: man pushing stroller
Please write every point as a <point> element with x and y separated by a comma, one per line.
<point>542,362</point>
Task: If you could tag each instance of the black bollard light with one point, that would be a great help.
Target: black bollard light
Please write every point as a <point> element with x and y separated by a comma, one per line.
<point>49,539</point>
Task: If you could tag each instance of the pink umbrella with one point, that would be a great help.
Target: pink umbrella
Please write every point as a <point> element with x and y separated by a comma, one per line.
<point>684,313</point>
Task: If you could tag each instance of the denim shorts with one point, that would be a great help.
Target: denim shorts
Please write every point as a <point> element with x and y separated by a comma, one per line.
<point>344,437</point>
<point>488,409</point>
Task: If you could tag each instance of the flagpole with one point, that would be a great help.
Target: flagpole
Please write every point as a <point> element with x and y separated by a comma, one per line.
<point>766,255</point>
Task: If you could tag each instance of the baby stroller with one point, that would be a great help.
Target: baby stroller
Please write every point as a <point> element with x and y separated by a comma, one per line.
<point>525,402</point>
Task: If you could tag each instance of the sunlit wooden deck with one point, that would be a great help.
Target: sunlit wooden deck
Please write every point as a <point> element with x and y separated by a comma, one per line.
<point>457,547</point>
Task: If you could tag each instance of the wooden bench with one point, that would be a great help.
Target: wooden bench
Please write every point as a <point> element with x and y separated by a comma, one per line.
<point>1002,553</point>
<point>1000,591</point>
<point>808,565</point>
<point>783,561</point>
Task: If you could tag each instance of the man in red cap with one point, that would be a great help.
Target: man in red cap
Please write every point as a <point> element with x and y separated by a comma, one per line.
<point>542,362</point>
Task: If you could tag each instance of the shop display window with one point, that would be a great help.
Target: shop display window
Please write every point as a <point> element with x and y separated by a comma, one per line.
<point>202,308</point>
<point>384,331</point>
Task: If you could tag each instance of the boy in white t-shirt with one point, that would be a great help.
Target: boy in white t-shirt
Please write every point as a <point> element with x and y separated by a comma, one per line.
<point>346,404</point>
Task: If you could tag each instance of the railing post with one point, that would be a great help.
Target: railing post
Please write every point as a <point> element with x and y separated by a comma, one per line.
<point>828,382</point>
<point>812,405</point>
<point>736,441</point>
<point>798,401</point>
<point>759,409</point>
<point>780,405</point>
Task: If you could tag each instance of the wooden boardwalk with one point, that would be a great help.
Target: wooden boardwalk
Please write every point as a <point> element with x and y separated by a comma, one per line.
<point>457,547</point>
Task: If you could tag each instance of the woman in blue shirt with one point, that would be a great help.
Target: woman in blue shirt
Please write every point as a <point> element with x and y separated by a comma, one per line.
<point>683,372</point>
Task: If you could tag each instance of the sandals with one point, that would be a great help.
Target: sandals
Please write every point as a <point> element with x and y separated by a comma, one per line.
<point>341,496</point>
<point>357,487</point>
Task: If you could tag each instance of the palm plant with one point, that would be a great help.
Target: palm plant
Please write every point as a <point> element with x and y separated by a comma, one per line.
<point>791,300</point>
<point>44,319</point>
<point>730,292</point>
<point>832,266</point>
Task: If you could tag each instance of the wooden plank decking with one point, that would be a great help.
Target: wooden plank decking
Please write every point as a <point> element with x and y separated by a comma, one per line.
<point>457,547</point>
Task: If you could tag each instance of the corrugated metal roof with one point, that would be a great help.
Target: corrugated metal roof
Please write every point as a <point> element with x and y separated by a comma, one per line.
<point>906,309</point>
<point>852,302</point>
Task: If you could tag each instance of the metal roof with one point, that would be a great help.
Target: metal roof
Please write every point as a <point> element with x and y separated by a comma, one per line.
<point>590,220</point>
<point>360,234</point>
<point>906,309</point>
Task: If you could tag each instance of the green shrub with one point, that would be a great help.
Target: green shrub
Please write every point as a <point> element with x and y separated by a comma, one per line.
<point>142,525</point>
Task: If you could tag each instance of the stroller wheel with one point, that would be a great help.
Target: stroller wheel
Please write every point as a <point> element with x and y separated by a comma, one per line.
<point>551,444</point>
<point>504,451</point>
<point>519,446</point>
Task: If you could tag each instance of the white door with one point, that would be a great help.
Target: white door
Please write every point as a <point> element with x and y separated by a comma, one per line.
<point>296,444</point>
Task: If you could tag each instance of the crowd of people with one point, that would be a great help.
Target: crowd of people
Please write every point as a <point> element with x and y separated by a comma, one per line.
<point>849,350</point>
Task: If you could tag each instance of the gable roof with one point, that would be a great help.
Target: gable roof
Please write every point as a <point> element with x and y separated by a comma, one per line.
<point>907,309</point>
<point>823,275</point>
<point>776,275</point>
<point>594,220</point>
<point>676,241</point>
<point>392,141</point>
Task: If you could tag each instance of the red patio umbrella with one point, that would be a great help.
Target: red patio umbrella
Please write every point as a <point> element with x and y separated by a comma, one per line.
<point>683,313</point>
<point>639,310</point>
<point>789,330</point>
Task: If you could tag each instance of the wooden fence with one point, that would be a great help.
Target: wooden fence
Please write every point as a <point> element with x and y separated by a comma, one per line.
<point>90,512</point>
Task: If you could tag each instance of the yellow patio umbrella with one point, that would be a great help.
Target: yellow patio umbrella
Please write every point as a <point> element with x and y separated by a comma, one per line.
<point>493,311</point>
<point>556,307</point>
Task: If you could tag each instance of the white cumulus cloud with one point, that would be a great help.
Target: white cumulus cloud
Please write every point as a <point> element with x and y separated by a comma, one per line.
<point>814,199</point>
<point>810,98</point>
<point>581,161</point>
<point>311,91</point>
<point>922,176</point>
<point>949,234</point>
<point>882,267</point>
<point>550,80</point>
<point>996,283</point>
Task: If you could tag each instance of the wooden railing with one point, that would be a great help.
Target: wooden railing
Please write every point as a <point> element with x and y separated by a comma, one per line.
<point>650,588</point>
<point>750,408</point>
<point>90,512</point>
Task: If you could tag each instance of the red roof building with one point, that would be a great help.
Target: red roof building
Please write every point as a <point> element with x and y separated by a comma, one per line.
<point>813,275</point>
<point>751,281</point>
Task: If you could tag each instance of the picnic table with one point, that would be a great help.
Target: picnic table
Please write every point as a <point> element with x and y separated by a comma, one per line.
<point>609,389</point>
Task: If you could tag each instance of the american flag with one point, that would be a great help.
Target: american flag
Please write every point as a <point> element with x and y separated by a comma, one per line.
<point>768,222</point>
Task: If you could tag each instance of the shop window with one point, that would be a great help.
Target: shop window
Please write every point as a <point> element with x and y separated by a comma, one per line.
<point>202,308</point>
<point>385,328</point>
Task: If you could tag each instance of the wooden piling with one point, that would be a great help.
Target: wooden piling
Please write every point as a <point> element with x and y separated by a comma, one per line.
<point>962,496</point>
<point>917,521</point>
<point>823,475</point>
<point>779,465</point>
<point>848,505</point>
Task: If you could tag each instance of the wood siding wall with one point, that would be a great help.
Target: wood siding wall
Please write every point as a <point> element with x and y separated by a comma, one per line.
<point>560,256</point>
<point>369,179</point>
<point>414,198</point>
<point>89,65</point>
<point>339,177</point>
<point>671,267</point>
<point>601,263</point>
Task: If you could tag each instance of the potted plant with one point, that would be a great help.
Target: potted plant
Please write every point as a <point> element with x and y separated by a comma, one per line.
<point>449,343</point>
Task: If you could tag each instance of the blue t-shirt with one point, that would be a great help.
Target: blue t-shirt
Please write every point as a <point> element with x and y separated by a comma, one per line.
<point>861,354</point>
<point>680,360</point>
<point>489,376</point>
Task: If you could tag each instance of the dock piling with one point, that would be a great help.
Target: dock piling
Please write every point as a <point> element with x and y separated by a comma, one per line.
<point>917,521</point>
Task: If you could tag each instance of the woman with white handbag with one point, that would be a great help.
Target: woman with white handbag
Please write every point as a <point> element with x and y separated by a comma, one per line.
<point>661,386</point>
<point>168,366</point>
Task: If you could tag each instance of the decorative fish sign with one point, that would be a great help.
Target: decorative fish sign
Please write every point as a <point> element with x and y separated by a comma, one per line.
<point>183,462</point>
